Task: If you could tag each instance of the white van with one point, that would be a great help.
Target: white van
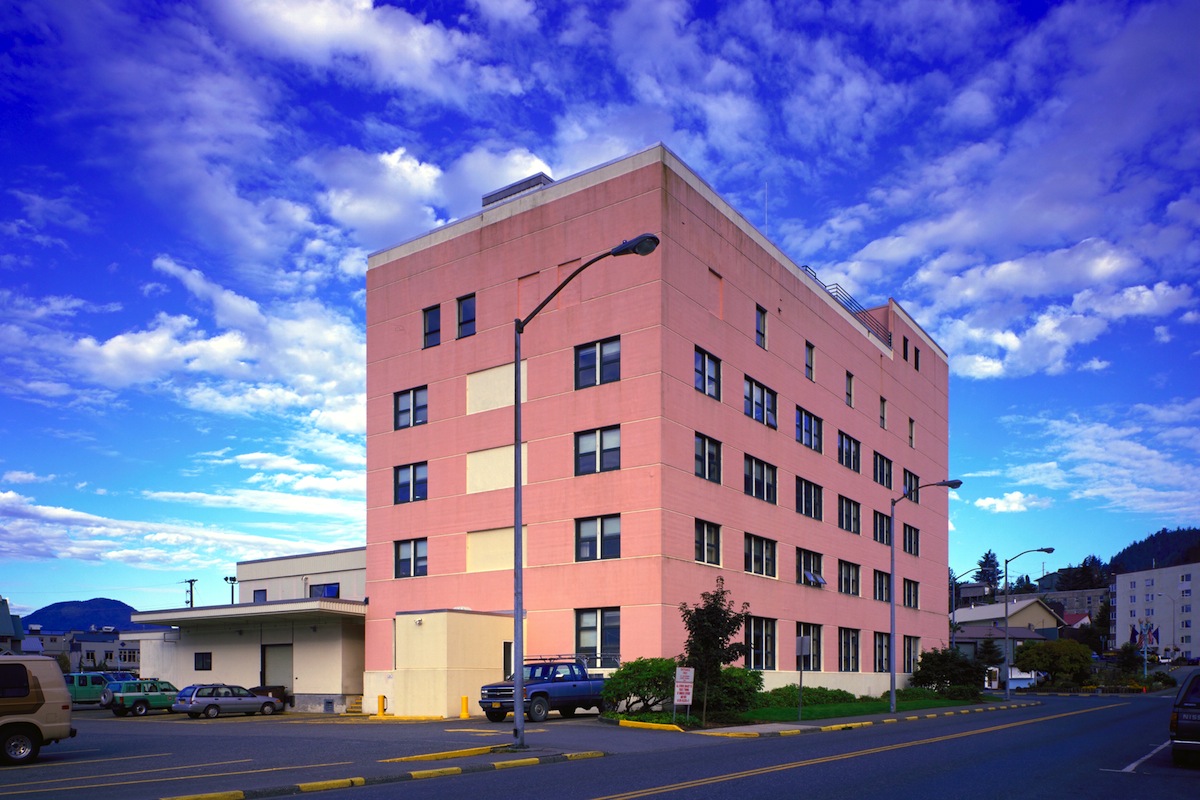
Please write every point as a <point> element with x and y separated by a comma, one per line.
<point>35,707</point>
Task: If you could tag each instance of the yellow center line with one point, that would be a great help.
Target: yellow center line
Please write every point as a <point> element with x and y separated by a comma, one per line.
<point>733,776</point>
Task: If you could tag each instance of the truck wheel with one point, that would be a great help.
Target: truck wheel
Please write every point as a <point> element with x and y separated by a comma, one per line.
<point>141,708</point>
<point>567,712</point>
<point>539,709</point>
<point>20,745</point>
<point>495,715</point>
<point>106,698</point>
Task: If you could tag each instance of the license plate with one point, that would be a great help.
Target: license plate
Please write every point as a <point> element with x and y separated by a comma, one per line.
<point>495,705</point>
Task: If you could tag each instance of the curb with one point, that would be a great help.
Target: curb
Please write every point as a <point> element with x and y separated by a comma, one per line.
<point>847,726</point>
<point>346,783</point>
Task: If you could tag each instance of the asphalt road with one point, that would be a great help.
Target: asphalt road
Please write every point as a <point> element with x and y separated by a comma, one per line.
<point>1056,748</point>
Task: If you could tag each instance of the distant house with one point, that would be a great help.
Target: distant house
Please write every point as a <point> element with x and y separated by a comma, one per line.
<point>11,632</point>
<point>1076,621</point>
<point>1029,620</point>
<point>968,638</point>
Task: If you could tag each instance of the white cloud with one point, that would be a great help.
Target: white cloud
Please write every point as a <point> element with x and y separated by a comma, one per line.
<point>20,476</point>
<point>518,13</point>
<point>1013,502</point>
<point>1162,334</point>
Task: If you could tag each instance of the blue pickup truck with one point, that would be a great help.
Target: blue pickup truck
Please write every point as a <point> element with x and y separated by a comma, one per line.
<point>561,685</point>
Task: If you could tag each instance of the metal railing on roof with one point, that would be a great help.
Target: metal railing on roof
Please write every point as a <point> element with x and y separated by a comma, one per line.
<point>847,301</point>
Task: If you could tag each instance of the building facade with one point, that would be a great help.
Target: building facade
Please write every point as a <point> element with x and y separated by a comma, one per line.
<point>646,383</point>
<point>1155,608</point>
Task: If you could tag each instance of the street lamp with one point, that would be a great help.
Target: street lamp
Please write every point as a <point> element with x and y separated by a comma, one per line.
<point>951,484</point>
<point>1007,602</point>
<point>232,581</point>
<point>642,245</point>
<point>1172,599</point>
<point>954,604</point>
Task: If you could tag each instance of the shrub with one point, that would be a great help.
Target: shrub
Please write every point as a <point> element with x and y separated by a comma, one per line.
<point>942,668</point>
<point>915,693</point>
<point>967,694</point>
<point>640,685</point>
<point>735,690</point>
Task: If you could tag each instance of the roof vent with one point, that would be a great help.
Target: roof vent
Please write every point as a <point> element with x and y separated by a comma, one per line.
<point>530,184</point>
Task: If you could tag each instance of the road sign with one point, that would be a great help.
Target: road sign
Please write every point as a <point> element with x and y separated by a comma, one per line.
<point>683,694</point>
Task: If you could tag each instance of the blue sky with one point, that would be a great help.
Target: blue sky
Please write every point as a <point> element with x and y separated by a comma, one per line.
<point>190,191</point>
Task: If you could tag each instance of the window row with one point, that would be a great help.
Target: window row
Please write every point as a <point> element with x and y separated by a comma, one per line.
<point>431,321</point>
<point>809,652</point>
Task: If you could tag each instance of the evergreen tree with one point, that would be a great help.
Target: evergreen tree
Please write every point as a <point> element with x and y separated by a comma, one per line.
<point>989,653</point>
<point>989,571</point>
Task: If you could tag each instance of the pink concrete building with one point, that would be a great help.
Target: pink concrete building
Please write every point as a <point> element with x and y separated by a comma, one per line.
<point>647,383</point>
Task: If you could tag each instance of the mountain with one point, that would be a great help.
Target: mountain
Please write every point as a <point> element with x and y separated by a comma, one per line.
<point>1163,549</point>
<point>82,615</point>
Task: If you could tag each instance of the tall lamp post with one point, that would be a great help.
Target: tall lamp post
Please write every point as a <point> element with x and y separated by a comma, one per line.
<point>232,581</point>
<point>954,604</point>
<point>1172,599</point>
<point>642,245</point>
<point>1007,603</point>
<point>951,484</point>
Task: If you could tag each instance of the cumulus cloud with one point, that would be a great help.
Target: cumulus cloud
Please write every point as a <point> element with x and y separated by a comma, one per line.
<point>20,476</point>
<point>1013,502</point>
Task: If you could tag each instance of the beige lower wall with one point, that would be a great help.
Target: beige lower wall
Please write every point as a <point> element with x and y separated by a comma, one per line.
<point>441,657</point>
<point>871,684</point>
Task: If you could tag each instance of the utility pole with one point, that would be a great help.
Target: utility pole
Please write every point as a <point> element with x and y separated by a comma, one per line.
<point>191,592</point>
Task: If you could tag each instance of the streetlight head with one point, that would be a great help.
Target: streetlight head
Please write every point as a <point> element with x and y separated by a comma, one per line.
<point>1046,549</point>
<point>954,484</point>
<point>639,245</point>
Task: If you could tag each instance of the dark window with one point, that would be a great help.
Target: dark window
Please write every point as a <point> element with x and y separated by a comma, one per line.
<point>883,470</point>
<point>912,542</point>
<point>759,555</point>
<point>883,528</point>
<point>14,680</point>
<point>598,636</point>
<point>810,360</point>
<point>412,558</point>
<point>917,358</point>
<point>848,574</point>
<point>849,389</point>
<point>883,413</point>
<point>260,595</point>
<point>808,429</point>
<point>598,538</point>
<point>808,568</point>
<point>597,363</point>
<point>808,498</point>
<point>708,458</point>
<point>412,482</point>
<point>708,542</point>
<point>466,316</point>
<point>203,662</point>
<point>598,450</point>
<point>912,486</point>
<point>760,327</point>
<point>849,513</point>
<point>905,348</point>
<point>758,402</point>
<point>812,661</point>
<point>912,594</point>
<point>759,479</point>
<point>324,590</point>
<point>848,649</point>
<point>760,643</point>
<point>883,586</point>
<point>433,326</point>
<point>412,407</point>
<point>708,374</point>
<point>848,451</point>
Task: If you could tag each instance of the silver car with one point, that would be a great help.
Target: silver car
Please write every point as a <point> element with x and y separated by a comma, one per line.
<point>214,699</point>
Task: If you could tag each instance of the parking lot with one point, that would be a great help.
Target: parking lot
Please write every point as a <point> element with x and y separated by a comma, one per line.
<point>170,755</point>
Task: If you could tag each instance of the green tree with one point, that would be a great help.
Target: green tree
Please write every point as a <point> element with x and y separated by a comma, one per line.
<point>989,653</point>
<point>1064,659</point>
<point>1129,659</point>
<point>939,669</point>
<point>989,571</point>
<point>640,685</point>
<point>711,626</point>
<point>1023,585</point>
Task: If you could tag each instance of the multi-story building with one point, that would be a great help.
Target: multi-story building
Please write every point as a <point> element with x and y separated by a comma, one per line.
<point>1156,605</point>
<point>646,383</point>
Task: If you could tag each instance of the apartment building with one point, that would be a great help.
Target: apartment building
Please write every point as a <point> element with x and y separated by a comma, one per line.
<point>1156,605</point>
<point>645,383</point>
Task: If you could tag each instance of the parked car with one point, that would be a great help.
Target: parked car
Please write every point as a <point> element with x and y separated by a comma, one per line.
<point>140,697</point>
<point>35,708</point>
<point>1185,720</point>
<point>214,699</point>
<point>549,684</point>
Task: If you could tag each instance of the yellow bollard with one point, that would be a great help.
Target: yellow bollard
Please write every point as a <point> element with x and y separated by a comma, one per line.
<point>463,714</point>
<point>382,704</point>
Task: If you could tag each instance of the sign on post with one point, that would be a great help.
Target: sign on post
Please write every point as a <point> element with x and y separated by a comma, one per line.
<point>685,678</point>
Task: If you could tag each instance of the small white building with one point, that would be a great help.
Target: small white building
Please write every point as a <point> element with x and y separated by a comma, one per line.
<point>298,624</point>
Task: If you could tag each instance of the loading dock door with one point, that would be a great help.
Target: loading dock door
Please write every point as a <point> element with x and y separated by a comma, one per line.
<point>277,665</point>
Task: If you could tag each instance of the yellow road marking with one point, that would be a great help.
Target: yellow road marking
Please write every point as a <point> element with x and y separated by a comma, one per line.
<point>119,774</point>
<point>183,778</point>
<point>675,787</point>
